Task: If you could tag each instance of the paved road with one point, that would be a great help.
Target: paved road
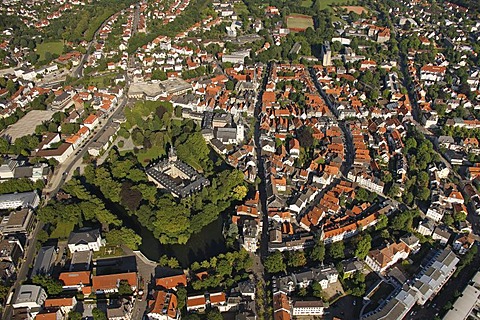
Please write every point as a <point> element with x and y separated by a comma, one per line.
<point>65,170</point>
<point>30,251</point>
<point>146,270</point>
<point>78,72</point>
<point>347,136</point>
<point>259,269</point>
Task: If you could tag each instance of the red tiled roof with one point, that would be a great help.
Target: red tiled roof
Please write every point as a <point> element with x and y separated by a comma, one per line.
<point>172,282</point>
<point>108,282</point>
<point>59,302</point>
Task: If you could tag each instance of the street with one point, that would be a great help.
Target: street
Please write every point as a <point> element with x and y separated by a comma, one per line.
<point>259,269</point>
<point>63,173</point>
<point>23,271</point>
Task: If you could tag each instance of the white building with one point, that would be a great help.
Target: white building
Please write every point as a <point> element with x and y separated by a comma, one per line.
<point>435,275</point>
<point>17,200</point>
<point>464,307</point>
<point>308,308</point>
<point>435,213</point>
<point>381,260</point>
<point>85,240</point>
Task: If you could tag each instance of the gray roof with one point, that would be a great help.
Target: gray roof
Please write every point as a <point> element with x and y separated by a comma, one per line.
<point>27,198</point>
<point>44,261</point>
<point>244,288</point>
<point>218,144</point>
<point>409,240</point>
<point>27,293</point>
<point>226,134</point>
<point>308,304</point>
<point>442,233</point>
<point>84,236</point>
<point>181,188</point>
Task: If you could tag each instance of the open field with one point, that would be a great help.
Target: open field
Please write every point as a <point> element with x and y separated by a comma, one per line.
<point>100,81</point>
<point>52,47</point>
<point>299,22</point>
<point>356,9</point>
<point>26,125</point>
<point>325,4</point>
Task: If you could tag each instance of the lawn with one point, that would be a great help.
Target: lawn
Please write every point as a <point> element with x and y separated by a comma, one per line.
<point>63,230</point>
<point>52,47</point>
<point>299,22</point>
<point>306,3</point>
<point>101,82</point>
<point>325,4</point>
<point>108,252</point>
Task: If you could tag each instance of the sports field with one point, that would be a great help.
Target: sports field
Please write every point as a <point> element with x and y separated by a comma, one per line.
<point>299,22</point>
<point>52,47</point>
<point>356,9</point>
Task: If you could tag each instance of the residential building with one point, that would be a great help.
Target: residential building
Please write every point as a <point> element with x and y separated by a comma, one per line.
<point>164,306</point>
<point>85,240</point>
<point>308,308</point>
<point>435,213</point>
<point>441,234</point>
<point>76,281</point>
<point>196,303</point>
<point>19,200</point>
<point>426,227</point>
<point>463,242</point>
<point>207,300</point>
<point>110,283</point>
<point>20,221</point>
<point>172,282</point>
<point>64,304</point>
<point>381,259</point>
<point>412,242</point>
<point>44,261</point>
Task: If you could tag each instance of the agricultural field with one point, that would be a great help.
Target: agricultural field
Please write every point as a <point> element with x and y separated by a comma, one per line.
<point>299,22</point>
<point>55,47</point>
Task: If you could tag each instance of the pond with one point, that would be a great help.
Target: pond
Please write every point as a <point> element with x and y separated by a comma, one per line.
<point>201,246</point>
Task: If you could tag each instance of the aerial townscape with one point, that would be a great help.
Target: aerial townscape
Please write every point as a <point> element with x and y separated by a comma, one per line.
<point>239,159</point>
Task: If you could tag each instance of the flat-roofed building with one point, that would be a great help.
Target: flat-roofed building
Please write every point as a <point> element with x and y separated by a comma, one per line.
<point>20,221</point>
<point>29,296</point>
<point>467,305</point>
